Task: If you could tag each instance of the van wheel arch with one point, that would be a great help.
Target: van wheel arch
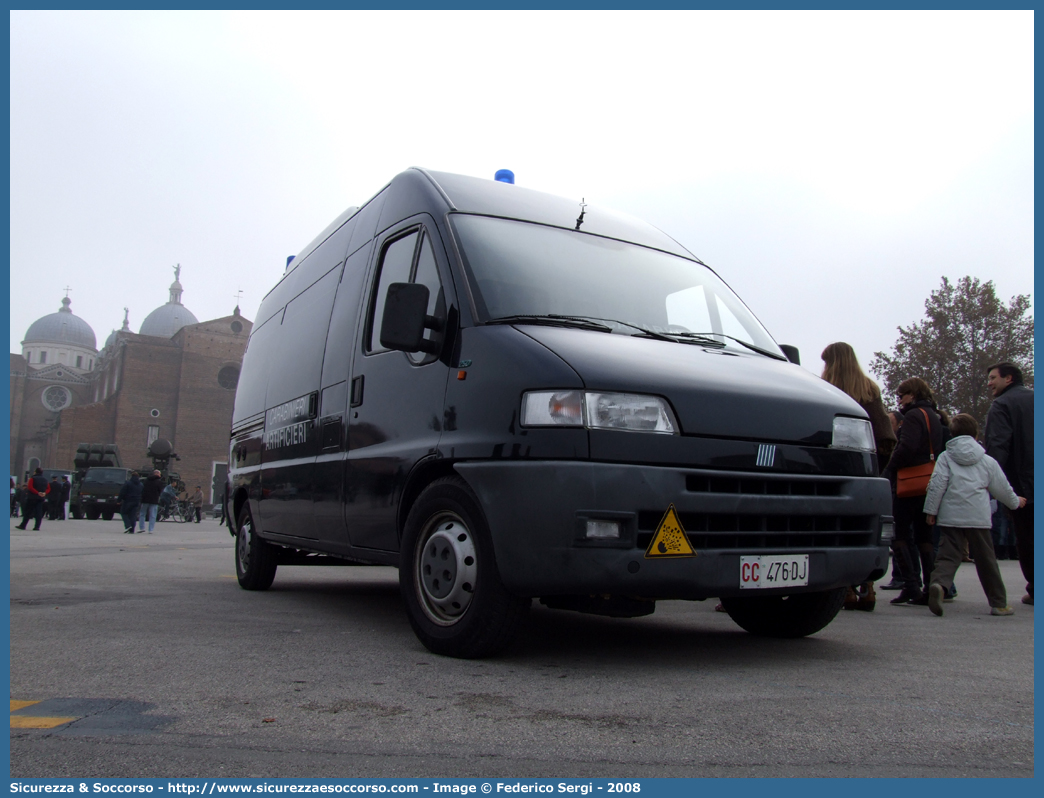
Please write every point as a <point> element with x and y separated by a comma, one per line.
<point>423,474</point>
<point>239,501</point>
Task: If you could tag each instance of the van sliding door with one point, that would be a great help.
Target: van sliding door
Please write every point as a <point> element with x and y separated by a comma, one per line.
<point>291,437</point>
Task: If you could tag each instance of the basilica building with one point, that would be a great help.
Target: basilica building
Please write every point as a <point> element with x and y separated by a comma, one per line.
<point>175,378</point>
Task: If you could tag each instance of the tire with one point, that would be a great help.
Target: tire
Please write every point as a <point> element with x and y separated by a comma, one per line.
<point>448,575</point>
<point>107,515</point>
<point>77,513</point>
<point>798,615</point>
<point>256,560</point>
<point>93,513</point>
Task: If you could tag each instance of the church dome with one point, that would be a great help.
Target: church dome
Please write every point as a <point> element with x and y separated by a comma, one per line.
<point>62,327</point>
<point>167,319</point>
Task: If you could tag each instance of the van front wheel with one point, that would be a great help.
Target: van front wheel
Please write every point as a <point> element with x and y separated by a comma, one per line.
<point>456,603</point>
<point>256,560</point>
<point>798,615</point>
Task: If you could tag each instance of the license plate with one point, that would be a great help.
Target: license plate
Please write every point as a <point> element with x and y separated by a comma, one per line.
<point>773,570</point>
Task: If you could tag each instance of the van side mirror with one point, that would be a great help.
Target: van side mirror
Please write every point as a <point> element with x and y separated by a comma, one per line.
<point>405,319</point>
<point>792,353</point>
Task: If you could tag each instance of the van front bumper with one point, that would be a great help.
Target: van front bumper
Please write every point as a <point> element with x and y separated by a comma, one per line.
<point>538,513</point>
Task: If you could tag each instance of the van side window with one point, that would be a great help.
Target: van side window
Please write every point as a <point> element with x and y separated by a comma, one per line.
<point>396,264</point>
<point>296,359</point>
<point>427,273</point>
<point>340,340</point>
<point>253,378</point>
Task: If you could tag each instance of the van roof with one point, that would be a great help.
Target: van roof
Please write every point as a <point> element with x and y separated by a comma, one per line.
<point>493,198</point>
<point>486,197</point>
<point>478,195</point>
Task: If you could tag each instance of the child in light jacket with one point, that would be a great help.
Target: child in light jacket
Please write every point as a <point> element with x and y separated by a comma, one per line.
<point>958,500</point>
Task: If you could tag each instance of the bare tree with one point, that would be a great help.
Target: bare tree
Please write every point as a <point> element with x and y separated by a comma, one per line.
<point>966,329</point>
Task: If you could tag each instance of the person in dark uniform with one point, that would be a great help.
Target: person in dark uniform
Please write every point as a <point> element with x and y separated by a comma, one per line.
<point>66,493</point>
<point>54,499</point>
<point>36,504</point>
<point>130,502</point>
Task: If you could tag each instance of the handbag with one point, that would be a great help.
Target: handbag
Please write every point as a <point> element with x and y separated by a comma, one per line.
<point>913,480</point>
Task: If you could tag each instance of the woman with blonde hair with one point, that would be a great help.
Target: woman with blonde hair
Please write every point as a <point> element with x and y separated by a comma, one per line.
<point>841,369</point>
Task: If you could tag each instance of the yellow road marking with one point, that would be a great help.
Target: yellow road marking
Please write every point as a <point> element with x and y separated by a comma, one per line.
<point>16,705</point>
<point>27,722</point>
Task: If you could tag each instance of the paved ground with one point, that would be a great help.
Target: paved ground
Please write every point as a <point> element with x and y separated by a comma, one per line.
<point>152,662</point>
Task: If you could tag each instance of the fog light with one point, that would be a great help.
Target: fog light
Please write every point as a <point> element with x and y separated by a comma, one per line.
<point>887,532</point>
<point>603,530</point>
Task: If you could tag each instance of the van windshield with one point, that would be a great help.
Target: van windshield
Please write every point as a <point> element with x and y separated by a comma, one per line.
<point>106,475</point>
<point>524,269</point>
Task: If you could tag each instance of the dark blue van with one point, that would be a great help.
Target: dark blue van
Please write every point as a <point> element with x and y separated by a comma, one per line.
<point>509,396</point>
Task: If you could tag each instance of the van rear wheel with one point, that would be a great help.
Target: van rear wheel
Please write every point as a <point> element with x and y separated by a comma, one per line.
<point>256,560</point>
<point>798,615</point>
<point>456,603</point>
<point>93,513</point>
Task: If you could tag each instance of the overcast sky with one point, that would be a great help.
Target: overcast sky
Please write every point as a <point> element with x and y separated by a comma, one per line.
<point>832,167</point>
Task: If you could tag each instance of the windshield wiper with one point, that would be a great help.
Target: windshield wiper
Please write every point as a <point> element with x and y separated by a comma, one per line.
<point>644,330</point>
<point>553,320</point>
<point>740,341</point>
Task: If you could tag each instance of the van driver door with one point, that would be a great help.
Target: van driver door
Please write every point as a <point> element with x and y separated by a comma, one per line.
<point>396,399</point>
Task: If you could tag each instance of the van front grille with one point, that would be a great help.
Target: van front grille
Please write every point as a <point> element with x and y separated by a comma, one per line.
<point>699,483</point>
<point>764,531</point>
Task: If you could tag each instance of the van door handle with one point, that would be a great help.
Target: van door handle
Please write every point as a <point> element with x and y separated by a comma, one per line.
<point>357,390</point>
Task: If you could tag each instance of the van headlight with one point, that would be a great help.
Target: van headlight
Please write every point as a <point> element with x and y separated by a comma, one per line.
<point>620,411</point>
<point>853,433</point>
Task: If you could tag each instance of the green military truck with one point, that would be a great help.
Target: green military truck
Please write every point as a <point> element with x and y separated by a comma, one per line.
<point>97,481</point>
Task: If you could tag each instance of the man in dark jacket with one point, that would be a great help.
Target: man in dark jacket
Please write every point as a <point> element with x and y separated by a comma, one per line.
<point>130,502</point>
<point>54,499</point>
<point>1009,441</point>
<point>36,504</point>
<point>66,493</point>
<point>150,496</point>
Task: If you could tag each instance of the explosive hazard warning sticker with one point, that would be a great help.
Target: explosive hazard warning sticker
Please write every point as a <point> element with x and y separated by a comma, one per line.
<point>669,539</point>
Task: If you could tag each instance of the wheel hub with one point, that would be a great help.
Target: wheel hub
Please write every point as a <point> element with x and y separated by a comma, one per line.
<point>243,546</point>
<point>446,570</point>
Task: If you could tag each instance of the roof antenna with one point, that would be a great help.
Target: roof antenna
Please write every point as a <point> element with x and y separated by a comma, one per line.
<point>580,218</point>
